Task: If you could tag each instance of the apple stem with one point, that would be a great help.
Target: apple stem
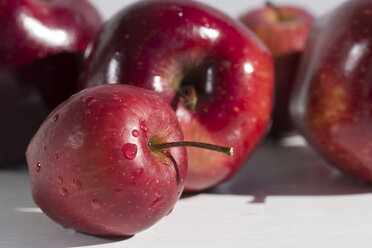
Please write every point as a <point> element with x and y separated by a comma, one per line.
<point>162,146</point>
<point>276,9</point>
<point>221,149</point>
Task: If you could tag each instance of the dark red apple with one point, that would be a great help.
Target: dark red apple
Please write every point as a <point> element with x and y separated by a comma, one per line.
<point>186,50</point>
<point>284,29</point>
<point>41,49</point>
<point>332,98</point>
<point>93,163</point>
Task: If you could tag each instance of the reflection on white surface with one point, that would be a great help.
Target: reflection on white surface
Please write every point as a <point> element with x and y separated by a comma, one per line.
<point>355,54</point>
<point>55,37</point>
<point>27,210</point>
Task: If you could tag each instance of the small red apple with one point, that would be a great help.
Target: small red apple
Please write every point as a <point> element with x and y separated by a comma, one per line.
<point>41,49</point>
<point>214,71</point>
<point>332,98</point>
<point>284,29</point>
<point>94,165</point>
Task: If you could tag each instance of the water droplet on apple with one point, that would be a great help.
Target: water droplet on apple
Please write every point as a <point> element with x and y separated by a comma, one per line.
<point>76,184</point>
<point>144,127</point>
<point>55,118</point>
<point>87,99</point>
<point>96,203</point>
<point>63,192</point>
<point>87,112</point>
<point>116,99</point>
<point>118,191</point>
<point>135,133</point>
<point>129,150</point>
<point>92,102</point>
<point>156,201</point>
<point>60,180</point>
<point>38,167</point>
<point>56,156</point>
<point>44,148</point>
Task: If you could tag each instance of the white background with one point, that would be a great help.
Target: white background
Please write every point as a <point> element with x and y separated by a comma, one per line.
<point>285,196</point>
<point>232,7</point>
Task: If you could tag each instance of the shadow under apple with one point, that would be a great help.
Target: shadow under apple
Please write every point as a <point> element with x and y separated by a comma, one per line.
<point>24,225</point>
<point>42,232</point>
<point>276,170</point>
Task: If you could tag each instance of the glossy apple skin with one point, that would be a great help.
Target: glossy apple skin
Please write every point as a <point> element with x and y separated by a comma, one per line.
<point>286,39</point>
<point>164,45</point>
<point>41,54</point>
<point>80,174</point>
<point>35,29</point>
<point>332,99</point>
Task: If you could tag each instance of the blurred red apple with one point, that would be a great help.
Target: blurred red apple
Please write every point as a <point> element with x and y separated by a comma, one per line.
<point>214,71</point>
<point>284,30</point>
<point>93,166</point>
<point>332,98</point>
<point>40,61</point>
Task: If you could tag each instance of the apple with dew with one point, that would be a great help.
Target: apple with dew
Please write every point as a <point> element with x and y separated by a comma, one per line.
<point>41,54</point>
<point>91,167</point>
<point>109,160</point>
<point>332,99</point>
<point>284,29</point>
<point>216,74</point>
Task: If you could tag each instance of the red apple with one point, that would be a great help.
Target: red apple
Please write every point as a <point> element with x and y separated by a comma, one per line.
<point>186,50</point>
<point>284,29</point>
<point>41,49</point>
<point>93,164</point>
<point>332,98</point>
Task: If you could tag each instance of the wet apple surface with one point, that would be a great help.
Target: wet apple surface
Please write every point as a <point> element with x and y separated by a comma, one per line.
<point>167,46</point>
<point>92,167</point>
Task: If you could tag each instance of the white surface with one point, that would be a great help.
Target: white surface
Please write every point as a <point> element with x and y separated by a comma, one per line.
<point>232,7</point>
<point>283,197</point>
